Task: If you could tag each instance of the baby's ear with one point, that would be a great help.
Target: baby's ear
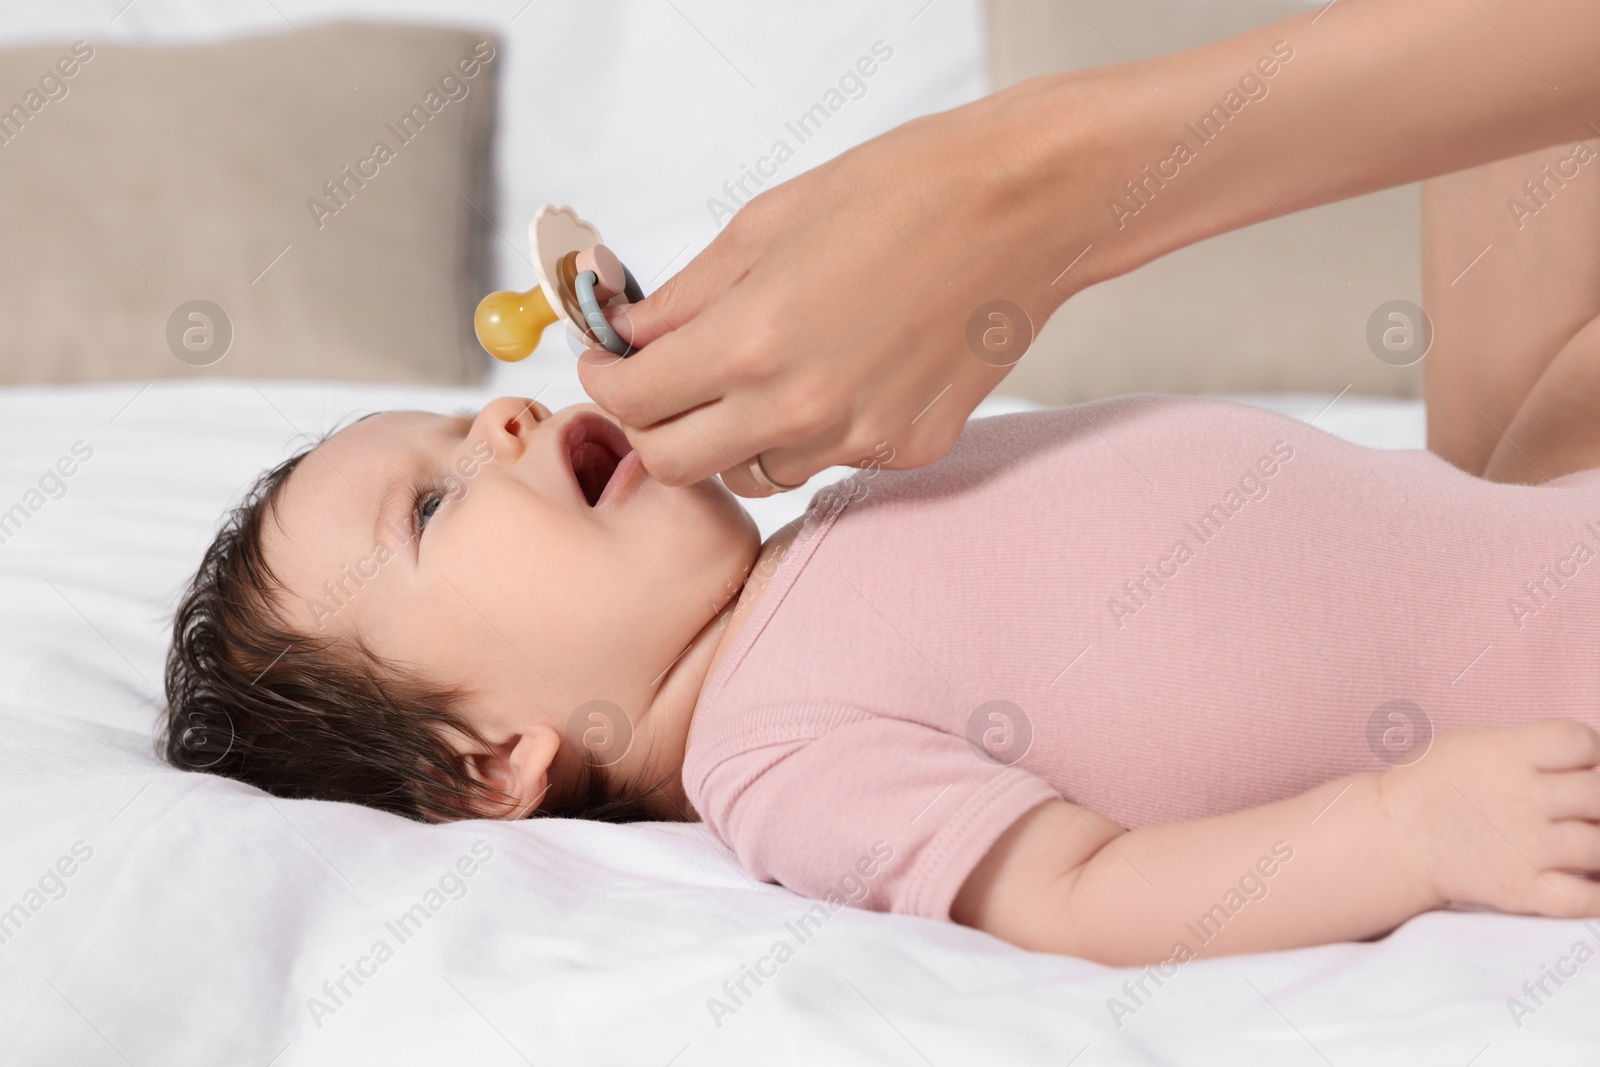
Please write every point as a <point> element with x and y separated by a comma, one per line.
<point>518,767</point>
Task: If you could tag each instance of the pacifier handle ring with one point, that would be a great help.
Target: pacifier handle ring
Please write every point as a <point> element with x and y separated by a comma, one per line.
<point>583,289</point>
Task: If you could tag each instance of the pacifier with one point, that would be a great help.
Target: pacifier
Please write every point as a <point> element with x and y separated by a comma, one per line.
<point>578,276</point>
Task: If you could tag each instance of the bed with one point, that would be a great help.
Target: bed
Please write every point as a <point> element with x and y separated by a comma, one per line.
<point>150,916</point>
<point>203,922</point>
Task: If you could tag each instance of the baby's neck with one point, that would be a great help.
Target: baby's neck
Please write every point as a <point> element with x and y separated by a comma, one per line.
<point>662,731</point>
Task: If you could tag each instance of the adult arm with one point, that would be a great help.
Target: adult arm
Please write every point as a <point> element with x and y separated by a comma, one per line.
<point>829,321</point>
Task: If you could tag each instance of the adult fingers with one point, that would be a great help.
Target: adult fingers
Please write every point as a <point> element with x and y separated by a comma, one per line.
<point>799,430</point>
<point>719,437</point>
<point>679,371</point>
<point>684,295</point>
<point>745,479</point>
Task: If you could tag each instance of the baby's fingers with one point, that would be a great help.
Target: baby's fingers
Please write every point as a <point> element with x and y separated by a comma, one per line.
<point>1560,745</point>
<point>1572,845</point>
<point>1572,794</point>
<point>1561,895</point>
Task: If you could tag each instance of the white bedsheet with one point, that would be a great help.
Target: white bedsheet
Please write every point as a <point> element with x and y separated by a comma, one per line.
<point>201,916</point>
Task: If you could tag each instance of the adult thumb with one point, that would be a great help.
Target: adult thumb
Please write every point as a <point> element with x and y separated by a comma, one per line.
<point>684,295</point>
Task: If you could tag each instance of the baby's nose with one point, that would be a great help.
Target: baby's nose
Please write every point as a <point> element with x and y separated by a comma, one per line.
<point>509,419</point>
<point>533,410</point>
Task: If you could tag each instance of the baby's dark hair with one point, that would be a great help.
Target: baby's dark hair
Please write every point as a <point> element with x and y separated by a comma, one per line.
<point>250,697</point>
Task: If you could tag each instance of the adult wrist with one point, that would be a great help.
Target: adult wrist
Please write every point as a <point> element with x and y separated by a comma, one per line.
<point>1141,171</point>
<point>1109,172</point>
<point>1064,144</point>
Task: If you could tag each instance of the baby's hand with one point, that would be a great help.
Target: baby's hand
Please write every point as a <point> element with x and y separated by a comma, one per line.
<point>1498,815</point>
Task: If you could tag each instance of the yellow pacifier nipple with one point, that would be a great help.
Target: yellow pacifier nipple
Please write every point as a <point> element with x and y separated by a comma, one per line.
<point>509,324</point>
<point>578,279</point>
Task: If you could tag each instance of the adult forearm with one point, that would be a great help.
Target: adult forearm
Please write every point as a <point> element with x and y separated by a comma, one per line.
<point>1373,93</point>
<point>1320,867</point>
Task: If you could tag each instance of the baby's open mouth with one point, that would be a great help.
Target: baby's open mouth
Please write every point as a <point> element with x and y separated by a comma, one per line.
<point>595,446</point>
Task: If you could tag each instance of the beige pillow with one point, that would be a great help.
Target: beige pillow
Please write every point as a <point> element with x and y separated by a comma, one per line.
<point>1281,305</point>
<point>248,173</point>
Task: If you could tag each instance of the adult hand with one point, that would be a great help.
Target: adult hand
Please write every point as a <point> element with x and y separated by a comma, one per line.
<point>831,320</point>
<point>847,314</point>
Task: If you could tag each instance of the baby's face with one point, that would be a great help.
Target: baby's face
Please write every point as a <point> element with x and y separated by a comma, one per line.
<point>510,551</point>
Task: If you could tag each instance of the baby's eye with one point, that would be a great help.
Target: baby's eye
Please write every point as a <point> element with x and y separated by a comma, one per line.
<point>427,503</point>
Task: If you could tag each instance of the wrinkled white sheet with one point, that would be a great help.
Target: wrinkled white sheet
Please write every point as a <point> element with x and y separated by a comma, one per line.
<point>201,918</point>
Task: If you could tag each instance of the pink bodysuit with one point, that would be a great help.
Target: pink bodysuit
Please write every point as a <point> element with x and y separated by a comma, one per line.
<point>1157,607</point>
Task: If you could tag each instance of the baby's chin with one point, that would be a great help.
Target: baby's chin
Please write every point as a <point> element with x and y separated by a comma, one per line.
<point>729,505</point>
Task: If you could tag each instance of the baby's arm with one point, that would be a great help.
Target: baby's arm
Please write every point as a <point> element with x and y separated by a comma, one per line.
<point>1489,816</point>
<point>1330,867</point>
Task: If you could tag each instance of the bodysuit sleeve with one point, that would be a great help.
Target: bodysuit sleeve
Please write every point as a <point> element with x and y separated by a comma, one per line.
<point>839,803</point>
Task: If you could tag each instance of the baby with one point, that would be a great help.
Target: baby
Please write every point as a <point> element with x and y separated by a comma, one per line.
<point>1147,679</point>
